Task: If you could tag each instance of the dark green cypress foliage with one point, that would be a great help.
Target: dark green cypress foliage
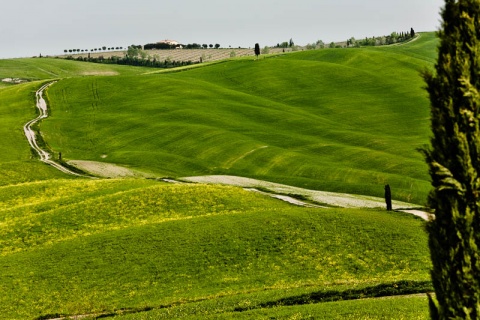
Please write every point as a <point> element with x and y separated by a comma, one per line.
<point>454,162</point>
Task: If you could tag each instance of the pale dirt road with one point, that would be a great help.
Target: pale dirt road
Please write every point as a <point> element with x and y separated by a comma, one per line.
<point>32,137</point>
<point>335,199</point>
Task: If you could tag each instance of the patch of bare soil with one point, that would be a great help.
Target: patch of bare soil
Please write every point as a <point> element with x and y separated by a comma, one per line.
<point>106,170</point>
<point>14,80</point>
<point>100,73</point>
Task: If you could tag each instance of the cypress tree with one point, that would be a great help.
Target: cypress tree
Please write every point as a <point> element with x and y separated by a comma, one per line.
<point>257,49</point>
<point>454,164</point>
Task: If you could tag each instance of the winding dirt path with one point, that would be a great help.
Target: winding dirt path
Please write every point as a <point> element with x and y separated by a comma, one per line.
<point>330,199</point>
<point>32,137</point>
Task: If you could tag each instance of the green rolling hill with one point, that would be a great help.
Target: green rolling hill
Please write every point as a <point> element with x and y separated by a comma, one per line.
<point>95,247</point>
<point>337,120</point>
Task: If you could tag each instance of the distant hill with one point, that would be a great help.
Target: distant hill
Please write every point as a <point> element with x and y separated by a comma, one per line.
<point>346,120</point>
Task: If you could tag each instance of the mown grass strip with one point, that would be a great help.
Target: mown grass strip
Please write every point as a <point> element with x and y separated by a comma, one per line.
<point>33,69</point>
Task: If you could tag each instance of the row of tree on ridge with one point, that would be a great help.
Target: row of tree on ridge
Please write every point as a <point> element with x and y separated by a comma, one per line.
<point>394,37</point>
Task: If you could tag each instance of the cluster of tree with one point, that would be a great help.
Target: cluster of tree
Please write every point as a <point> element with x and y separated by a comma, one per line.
<point>286,44</point>
<point>104,48</point>
<point>160,46</point>
<point>394,37</point>
<point>315,45</point>
<point>136,51</point>
<point>400,37</point>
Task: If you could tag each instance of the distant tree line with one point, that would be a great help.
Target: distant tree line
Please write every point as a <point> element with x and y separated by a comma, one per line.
<point>104,48</point>
<point>148,46</point>
<point>286,44</point>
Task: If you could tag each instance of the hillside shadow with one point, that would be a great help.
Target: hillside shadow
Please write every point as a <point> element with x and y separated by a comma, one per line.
<point>382,290</point>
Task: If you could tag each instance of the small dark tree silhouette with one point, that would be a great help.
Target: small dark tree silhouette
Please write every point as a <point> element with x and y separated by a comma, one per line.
<point>257,49</point>
<point>388,197</point>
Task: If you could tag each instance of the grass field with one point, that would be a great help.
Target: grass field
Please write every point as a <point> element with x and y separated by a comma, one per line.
<point>76,247</point>
<point>49,68</point>
<point>337,119</point>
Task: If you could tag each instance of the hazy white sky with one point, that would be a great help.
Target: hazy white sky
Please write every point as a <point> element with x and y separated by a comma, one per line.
<point>31,27</point>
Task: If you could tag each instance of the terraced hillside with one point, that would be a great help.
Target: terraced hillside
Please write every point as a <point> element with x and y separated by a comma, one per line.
<point>346,120</point>
<point>342,120</point>
<point>193,55</point>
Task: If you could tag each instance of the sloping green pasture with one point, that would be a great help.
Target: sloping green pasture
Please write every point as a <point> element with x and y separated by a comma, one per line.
<point>49,68</point>
<point>346,120</point>
<point>424,48</point>
<point>80,247</point>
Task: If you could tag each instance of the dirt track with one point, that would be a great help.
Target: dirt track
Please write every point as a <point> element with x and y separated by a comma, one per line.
<point>32,137</point>
<point>335,199</point>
